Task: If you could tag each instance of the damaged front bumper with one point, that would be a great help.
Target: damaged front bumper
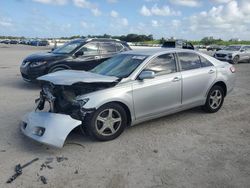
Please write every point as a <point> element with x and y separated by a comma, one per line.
<point>48,128</point>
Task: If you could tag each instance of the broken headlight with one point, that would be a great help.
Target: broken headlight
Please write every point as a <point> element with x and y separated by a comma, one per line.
<point>82,102</point>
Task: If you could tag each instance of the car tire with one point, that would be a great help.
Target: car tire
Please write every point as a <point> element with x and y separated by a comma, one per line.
<point>106,123</point>
<point>236,59</point>
<point>55,69</point>
<point>215,99</point>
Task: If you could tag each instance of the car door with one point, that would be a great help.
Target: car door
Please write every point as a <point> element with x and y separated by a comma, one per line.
<point>159,94</point>
<point>248,53</point>
<point>198,74</point>
<point>89,59</point>
<point>245,53</point>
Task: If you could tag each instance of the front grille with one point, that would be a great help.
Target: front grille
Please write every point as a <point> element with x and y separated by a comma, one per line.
<point>221,55</point>
<point>25,76</point>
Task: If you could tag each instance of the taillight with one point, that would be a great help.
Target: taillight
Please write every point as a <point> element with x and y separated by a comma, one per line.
<point>232,69</point>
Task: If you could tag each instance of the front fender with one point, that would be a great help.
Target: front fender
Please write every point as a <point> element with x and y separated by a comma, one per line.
<point>48,128</point>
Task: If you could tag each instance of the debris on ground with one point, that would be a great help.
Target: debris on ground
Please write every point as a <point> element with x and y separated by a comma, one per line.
<point>74,143</point>
<point>60,159</point>
<point>43,179</point>
<point>3,150</point>
<point>46,163</point>
<point>18,170</point>
<point>76,172</point>
<point>155,151</point>
<point>49,160</point>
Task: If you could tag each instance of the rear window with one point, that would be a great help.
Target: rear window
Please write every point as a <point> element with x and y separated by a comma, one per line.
<point>189,61</point>
<point>205,62</point>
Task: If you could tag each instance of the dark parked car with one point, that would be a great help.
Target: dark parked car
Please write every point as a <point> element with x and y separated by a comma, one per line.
<point>214,48</point>
<point>78,54</point>
<point>43,43</point>
<point>178,44</point>
<point>13,42</point>
<point>5,41</point>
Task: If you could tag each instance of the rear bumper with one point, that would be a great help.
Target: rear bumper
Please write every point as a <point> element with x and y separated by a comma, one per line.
<point>48,128</point>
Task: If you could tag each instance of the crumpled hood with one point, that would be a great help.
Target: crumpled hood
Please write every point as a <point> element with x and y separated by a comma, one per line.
<point>69,77</point>
<point>225,52</point>
<point>45,56</point>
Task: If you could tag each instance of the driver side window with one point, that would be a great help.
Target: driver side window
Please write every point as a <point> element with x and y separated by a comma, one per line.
<point>90,49</point>
<point>163,64</point>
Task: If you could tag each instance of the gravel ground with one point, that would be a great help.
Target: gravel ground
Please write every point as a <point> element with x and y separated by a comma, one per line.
<point>187,149</point>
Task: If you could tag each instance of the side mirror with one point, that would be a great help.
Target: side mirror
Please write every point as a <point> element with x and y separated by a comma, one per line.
<point>79,53</point>
<point>146,75</point>
<point>242,50</point>
<point>52,49</point>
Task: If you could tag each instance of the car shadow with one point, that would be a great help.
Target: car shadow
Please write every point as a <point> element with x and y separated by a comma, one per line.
<point>23,85</point>
<point>78,139</point>
<point>171,117</point>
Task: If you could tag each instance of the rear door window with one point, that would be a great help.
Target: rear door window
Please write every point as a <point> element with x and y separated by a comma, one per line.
<point>163,64</point>
<point>119,47</point>
<point>189,61</point>
<point>90,49</point>
<point>107,47</point>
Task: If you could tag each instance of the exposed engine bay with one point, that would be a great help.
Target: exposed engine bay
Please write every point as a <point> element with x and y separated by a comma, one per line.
<point>62,99</point>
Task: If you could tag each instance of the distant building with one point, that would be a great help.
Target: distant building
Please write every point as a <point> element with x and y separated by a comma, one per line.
<point>235,40</point>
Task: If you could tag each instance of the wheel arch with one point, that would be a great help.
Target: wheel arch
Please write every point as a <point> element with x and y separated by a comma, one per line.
<point>58,66</point>
<point>221,84</point>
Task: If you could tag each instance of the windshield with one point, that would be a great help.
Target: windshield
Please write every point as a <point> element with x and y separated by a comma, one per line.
<point>68,47</point>
<point>121,65</point>
<point>232,48</point>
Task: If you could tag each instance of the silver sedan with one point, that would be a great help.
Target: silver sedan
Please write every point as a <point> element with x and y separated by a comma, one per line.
<point>125,90</point>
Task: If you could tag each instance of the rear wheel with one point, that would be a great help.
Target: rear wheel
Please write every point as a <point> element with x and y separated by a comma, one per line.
<point>106,123</point>
<point>236,59</point>
<point>215,99</point>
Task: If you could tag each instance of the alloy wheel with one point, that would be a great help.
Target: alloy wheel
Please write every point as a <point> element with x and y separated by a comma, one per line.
<point>108,122</point>
<point>215,99</point>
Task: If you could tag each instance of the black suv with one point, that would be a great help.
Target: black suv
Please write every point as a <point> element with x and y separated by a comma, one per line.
<point>78,54</point>
<point>178,44</point>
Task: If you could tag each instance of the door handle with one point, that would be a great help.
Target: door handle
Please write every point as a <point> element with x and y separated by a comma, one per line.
<point>96,57</point>
<point>211,72</point>
<point>176,79</point>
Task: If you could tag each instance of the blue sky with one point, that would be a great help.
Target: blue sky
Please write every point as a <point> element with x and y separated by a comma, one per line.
<point>189,19</point>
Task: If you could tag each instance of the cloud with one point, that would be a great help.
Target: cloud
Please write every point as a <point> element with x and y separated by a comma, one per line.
<point>56,2</point>
<point>176,23</point>
<point>228,20</point>
<point>112,1</point>
<point>87,5</point>
<point>188,3</point>
<point>5,22</point>
<point>114,14</point>
<point>84,24</point>
<point>221,1</point>
<point>124,21</point>
<point>155,23</point>
<point>96,11</point>
<point>158,11</point>
<point>145,11</point>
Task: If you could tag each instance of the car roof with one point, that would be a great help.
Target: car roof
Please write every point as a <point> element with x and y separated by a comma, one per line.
<point>155,51</point>
<point>94,39</point>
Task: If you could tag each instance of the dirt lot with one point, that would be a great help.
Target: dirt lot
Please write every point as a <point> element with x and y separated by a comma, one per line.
<point>188,149</point>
